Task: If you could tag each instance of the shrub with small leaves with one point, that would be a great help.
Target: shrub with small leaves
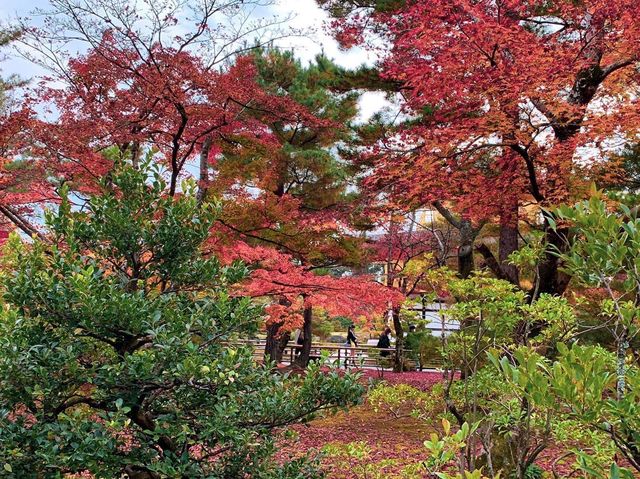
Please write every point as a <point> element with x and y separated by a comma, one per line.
<point>115,356</point>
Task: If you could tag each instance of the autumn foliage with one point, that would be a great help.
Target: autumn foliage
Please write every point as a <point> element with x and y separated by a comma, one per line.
<point>182,186</point>
<point>234,128</point>
<point>509,103</point>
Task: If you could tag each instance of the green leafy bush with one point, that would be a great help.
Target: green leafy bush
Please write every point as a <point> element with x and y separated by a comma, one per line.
<point>114,356</point>
<point>424,348</point>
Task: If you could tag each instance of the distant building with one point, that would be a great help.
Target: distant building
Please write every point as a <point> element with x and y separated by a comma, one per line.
<point>432,317</point>
<point>422,231</point>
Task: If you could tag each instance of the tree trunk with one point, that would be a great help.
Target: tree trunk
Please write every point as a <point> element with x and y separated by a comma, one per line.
<point>491,262</point>
<point>550,279</point>
<point>203,179</point>
<point>135,154</point>
<point>588,79</point>
<point>621,365</point>
<point>277,341</point>
<point>508,242</point>
<point>303,358</point>
<point>468,235</point>
<point>398,364</point>
<point>465,250</point>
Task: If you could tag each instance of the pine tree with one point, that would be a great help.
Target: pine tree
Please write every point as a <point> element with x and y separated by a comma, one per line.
<point>303,204</point>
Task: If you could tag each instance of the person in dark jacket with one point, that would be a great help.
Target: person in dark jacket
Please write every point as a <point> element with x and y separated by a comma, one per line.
<point>384,342</point>
<point>351,340</point>
<point>351,336</point>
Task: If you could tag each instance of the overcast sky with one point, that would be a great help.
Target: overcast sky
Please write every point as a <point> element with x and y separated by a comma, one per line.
<point>306,15</point>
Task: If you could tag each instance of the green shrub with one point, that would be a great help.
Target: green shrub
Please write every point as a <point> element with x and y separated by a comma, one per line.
<point>114,355</point>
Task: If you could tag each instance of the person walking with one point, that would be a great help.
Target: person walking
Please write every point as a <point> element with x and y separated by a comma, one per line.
<point>352,341</point>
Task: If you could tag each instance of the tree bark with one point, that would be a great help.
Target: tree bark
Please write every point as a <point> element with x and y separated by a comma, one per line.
<point>135,155</point>
<point>468,234</point>
<point>587,82</point>
<point>491,262</point>
<point>203,180</point>
<point>398,363</point>
<point>303,358</point>
<point>621,365</point>
<point>276,342</point>
<point>21,223</point>
<point>508,241</point>
<point>550,279</point>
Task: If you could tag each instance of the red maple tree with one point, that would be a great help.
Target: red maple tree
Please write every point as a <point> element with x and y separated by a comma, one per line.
<point>508,101</point>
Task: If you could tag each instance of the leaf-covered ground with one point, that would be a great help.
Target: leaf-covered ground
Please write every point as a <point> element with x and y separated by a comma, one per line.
<point>365,444</point>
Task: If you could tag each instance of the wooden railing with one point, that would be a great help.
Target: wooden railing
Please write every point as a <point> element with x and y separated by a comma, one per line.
<point>346,356</point>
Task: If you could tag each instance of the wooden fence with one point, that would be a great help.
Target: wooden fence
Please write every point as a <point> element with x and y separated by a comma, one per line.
<point>345,356</point>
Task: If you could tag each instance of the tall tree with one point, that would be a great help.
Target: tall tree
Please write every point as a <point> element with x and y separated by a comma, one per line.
<point>138,92</point>
<point>290,191</point>
<point>145,83</point>
<point>509,96</point>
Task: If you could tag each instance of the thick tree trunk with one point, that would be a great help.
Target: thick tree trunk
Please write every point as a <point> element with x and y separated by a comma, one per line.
<point>550,279</point>
<point>398,364</point>
<point>508,242</point>
<point>491,262</point>
<point>303,358</point>
<point>277,341</point>
<point>468,235</point>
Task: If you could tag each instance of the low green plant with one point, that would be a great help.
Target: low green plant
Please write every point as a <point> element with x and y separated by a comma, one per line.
<point>354,458</point>
<point>398,400</point>
<point>444,452</point>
